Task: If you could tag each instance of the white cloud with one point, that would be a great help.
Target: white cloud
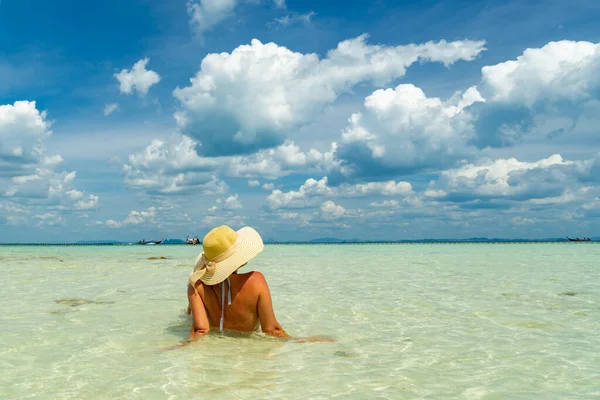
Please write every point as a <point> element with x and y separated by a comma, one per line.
<point>134,218</point>
<point>542,93</point>
<point>50,189</point>
<point>49,219</point>
<point>566,197</point>
<point>27,174</point>
<point>255,95</point>
<point>564,70</point>
<point>227,204</point>
<point>138,78</point>
<point>276,162</point>
<point>543,190</point>
<point>23,130</point>
<point>388,188</point>
<point>301,198</point>
<point>385,204</point>
<point>110,108</point>
<point>229,219</point>
<point>280,3</point>
<point>432,193</point>
<point>306,195</point>
<point>294,18</point>
<point>268,186</point>
<point>173,166</point>
<point>206,14</point>
<point>403,131</point>
<point>232,203</point>
<point>520,220</point>
<point>81,203</point>
<point>493,178</point>
<point>331,210</point>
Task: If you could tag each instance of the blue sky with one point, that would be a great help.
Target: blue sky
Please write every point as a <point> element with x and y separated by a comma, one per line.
<point>374,120</point>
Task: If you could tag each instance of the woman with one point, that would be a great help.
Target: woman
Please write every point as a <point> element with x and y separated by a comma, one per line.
<point>221,298</point>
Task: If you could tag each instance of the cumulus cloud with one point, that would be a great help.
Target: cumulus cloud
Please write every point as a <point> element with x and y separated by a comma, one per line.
<point>541,93</point>
<point>300,198</point>
<point>551,180</point>
<point>134,218</point>
<point>110,108</point>
<point>81,202</point>
<point>137,79</point>
<point>232,203</point>
<point>27,174</point>
<point>557,71</point>
<point>282,160</point>
<point>228,204</point>
<point>23,129</point>
<point>172,166</point>
<point>331,210</point>
<point>493,178</point>
<point>389,188</point>
<point>49,219</point>
<point>249,99</point>
<point>307,194</point>
<point>385,204</point>
<point>206,14</point>
<point>402,131</point>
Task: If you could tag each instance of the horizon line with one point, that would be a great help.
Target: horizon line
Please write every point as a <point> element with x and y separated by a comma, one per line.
<point>318,242</point>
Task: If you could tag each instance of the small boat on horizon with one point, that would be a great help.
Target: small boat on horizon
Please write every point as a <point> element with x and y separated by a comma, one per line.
<point>584,239</point>
<point>150,242</point>
<point>195,240</point>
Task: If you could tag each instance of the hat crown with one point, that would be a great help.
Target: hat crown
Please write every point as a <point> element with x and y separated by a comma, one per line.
<point>218,241</point>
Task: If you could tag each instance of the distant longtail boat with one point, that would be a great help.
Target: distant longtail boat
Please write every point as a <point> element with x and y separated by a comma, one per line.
<point>150,242</point>
<point>193,240</point>
<point>579,239</point>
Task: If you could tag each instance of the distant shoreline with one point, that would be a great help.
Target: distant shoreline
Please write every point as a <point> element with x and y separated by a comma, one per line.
<point>427,241</point>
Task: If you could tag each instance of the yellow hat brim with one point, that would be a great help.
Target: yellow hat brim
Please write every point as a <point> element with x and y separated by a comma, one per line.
<point>248,245</point>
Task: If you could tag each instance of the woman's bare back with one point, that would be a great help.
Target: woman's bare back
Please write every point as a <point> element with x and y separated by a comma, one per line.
<point>251,306</point>
<point>242,314</point>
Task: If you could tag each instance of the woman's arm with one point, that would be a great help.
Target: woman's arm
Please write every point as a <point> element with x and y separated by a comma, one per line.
<point>266,315</point>
<point>200,324</point>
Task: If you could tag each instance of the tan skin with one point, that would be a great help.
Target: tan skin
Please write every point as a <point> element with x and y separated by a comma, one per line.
<point>251,304</point>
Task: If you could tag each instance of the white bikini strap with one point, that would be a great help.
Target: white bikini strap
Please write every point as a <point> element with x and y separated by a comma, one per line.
<point>223,302</point>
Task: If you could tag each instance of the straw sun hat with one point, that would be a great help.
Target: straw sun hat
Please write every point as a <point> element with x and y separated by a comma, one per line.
<point>224,251</point>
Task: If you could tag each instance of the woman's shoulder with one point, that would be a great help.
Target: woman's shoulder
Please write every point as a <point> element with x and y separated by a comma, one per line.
<point>254,278</point>
<point>254,275</point>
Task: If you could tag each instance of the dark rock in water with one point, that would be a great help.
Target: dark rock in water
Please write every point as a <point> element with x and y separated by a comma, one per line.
<point>60,312</point>
<point>345,354</point>
<point>567,294</point>
<point>157,258</point>
<point>80,302</point>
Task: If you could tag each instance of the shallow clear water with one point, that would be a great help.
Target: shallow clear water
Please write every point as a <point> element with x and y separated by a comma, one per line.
<point>460,321</point>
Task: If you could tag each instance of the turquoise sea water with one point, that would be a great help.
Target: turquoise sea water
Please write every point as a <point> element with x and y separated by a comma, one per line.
<point>510,321</point>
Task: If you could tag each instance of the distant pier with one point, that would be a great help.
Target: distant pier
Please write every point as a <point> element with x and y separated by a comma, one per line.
<point>448,242</point>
